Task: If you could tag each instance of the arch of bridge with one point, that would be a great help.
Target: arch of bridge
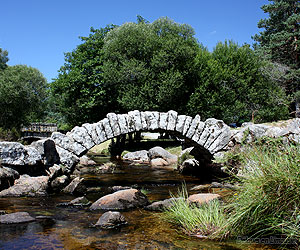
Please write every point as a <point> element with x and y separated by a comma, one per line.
<point>211,135</point>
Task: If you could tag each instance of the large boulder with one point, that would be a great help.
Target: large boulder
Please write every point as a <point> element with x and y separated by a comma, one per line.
<point>137,156</point>
<point>120,200</point>
<point>159,152</point>
<point>46,148</point>
<point>7,177</point>
<point>27,186</point>
<point>16,154</point>
<point>111,220</point>
<point>18,217</point>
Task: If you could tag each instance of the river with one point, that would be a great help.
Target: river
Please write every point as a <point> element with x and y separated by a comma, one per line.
<point>72,228</point>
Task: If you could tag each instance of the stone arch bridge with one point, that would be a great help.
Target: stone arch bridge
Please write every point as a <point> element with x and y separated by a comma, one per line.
<point>209,136</point>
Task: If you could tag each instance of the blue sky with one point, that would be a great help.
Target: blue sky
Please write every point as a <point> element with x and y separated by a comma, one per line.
<point>38,32</point>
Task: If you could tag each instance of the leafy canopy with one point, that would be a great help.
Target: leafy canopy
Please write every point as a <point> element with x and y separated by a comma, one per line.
<point>232,87</point>
<point>3,59</point>
<point>150,64</point>
<point>279,42</point>
<point>23,92</point>
<point>82,94</point>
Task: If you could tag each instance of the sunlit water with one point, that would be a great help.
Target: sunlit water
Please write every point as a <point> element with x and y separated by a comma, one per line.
<point>72,228</point>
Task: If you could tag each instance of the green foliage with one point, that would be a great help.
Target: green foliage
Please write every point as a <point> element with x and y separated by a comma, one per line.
<point>267,202</point>
<point>80,93</point>
<point>206,221</point>
<point>160,66</point>
<point>12,134</point>
<point>22,95</point>
<point>3,59</point>
<point>150,64</point>
<point>232,87</point>
<point>279,41</point>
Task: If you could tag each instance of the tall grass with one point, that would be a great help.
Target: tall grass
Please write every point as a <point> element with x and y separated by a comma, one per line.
<point>268,200</point>
<point>206,221</point>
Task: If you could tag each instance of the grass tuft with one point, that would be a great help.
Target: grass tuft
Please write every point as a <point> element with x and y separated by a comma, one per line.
<point>207,221</point>
<point>268,201</point>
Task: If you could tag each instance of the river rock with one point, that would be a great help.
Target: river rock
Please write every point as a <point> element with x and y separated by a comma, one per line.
<point>120,200</point>
<point>7,177</point>
<point>159,152</point>
<point>75,187</point>
<point>202,198</point>
<point>111,220</point>
<point>59,183</point>
<point>157,162</point>
<point>27,186</point>
<point>137,156</point>
<point>78,202</point>
<point>18,217</point>
<point>162,205</point>
<point>55,171</point>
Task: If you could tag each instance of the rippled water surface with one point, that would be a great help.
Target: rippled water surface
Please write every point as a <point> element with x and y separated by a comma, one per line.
<point>72,228</point>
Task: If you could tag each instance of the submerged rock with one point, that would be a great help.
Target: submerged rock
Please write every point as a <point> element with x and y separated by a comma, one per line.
<point>78,202</point>
<point>111,220</point>
<point>108,167</point>
<point>120,200</point>
<point>27,186</point>
<point>18,217</point>
<point>162,205</point>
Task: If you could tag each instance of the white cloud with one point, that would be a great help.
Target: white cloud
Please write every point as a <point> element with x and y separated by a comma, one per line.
<point>213,33</point>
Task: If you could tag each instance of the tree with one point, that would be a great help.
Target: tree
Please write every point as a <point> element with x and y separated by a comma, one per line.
<point>3,59</point>
<point>232,87</point>
<point>82,94</point>
<point>151,64</point>
<point>22,95</point>
<point>279,41</point>
<point>135,66</point>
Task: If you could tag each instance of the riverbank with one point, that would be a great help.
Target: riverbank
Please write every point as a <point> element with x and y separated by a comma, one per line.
<point>265,204</point>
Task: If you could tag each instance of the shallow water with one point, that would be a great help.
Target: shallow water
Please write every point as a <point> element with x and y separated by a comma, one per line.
<point>72,227</point>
